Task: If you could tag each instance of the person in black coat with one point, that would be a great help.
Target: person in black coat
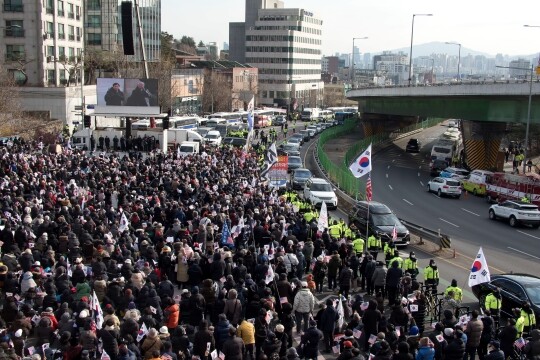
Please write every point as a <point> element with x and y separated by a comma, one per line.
<point>233,347</point>
<point>271,345</point>
<point>494,351</point>
<point>110,337</point>
<point>217,267</point>
<point>197,306</point>
<point>507,336</point>
<point>155,301</point>
<point>202,337</point>
<point>372,317</point>
<point>393,280</point>
<point>310,340</point>
<point>328,324</point>
<point>195,273</point>
<point>403,352</point>
<point>456,348</point>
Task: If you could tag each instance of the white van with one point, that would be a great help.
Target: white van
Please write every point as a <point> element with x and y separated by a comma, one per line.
<point>188,148</point>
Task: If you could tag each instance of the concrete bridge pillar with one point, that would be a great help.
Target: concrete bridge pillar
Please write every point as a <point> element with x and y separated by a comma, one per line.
<point>375,124</point>
<point>482,141</point>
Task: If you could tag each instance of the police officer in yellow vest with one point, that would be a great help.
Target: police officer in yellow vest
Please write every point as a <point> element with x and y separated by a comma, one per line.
<point>431,277</point>
<point>335,230</point>
<point>343,226</point>
<point>493,303</point>
<point>374,246</point>
<point>396,258</point>
<point>410,265</point>
<point>520,322</point>
<point>529,322</point>
<point>458,293</point>
<point>389,251</point>
<point>358,245</point>
<point>349,233</point>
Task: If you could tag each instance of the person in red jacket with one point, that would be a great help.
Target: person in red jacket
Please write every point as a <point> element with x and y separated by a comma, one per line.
<point>50,314</point>
<point>172,314</point>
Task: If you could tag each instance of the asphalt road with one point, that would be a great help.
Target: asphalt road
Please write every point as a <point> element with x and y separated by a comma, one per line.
<point>400,181</point>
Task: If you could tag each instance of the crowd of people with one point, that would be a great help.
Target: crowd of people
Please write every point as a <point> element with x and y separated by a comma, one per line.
<point>194,257</point>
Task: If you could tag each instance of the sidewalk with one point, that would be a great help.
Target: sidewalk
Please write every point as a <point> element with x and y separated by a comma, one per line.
<point>508,167</point>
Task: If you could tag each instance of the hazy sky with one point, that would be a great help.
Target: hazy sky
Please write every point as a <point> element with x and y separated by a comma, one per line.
<point>493,26</point>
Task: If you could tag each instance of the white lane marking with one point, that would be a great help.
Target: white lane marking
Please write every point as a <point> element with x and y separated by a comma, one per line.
<point>387,175</point>
<point>437,196</point>
<point>470,212</point>
<point>421,183</point>
<point>393,160</point>
<point>390,186</point>
<point>523,252</point>
<point>524,233</point>
<point>420,167</point>
<point>408,202</point>
<point>448,222</point>
<point>388,167</point>
<point>418,174</point>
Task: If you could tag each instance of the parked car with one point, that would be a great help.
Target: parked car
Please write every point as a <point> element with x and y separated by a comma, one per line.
<point>318,190</point>
<point>436,166</point>
<point>413,146</point>
<point>515,289</point>
<point>294,162</point>
<point>299,178</point>
<point>445,186</point>
<point>516,213</point>
<point>377,218</point>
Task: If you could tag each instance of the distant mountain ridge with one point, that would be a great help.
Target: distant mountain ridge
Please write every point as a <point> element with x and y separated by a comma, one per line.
<point>437,47</point>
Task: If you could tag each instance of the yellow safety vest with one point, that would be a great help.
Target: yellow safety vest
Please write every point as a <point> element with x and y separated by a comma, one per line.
<point>374,243</point>
<point>335,231</point>
<point>358,245</point>
<point>520,324</point>
<point>398,259</point>
<point>408,264</point>
<point>458,293</point>
<point>529,319</point>
<point>492,302</point>
<point>430,273</point>
<point>389,251</point>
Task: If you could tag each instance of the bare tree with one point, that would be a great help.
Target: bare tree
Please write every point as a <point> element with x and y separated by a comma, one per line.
<point>216,91</point>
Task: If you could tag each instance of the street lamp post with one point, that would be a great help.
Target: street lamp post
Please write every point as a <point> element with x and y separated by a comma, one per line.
<point>528,109</point>
<point>352,57</point>
<point>459,58</point>
<point>410,52</point>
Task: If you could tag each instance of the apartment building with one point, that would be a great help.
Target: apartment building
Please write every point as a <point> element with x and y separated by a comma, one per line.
<point>285,45</point>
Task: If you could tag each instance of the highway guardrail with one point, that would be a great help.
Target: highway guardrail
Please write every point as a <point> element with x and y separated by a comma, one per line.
<point>424,233</point>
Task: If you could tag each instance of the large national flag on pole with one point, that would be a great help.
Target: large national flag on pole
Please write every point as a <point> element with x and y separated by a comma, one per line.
<point>323,218</point>
<point>98,313</point>
<point>369,189</point>
<point>362,165</point>
<point>270,159</point>
<point>479,270</point>
<point>250,108</point>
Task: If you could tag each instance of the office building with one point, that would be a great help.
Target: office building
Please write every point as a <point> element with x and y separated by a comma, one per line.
<point>104,27</point>
<point>520,63</point>
<point>285,45</point>
<point>42,42</point>
<point>393,66</point>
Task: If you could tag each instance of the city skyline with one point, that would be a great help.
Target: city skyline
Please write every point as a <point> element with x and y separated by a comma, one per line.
<point>486,28</point>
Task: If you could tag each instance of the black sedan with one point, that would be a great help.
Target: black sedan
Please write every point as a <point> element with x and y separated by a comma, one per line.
<point>515,289</point>
<point>413,146</point>
<point>299,178</point>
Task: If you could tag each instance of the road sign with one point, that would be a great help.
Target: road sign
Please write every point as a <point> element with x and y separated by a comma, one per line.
<point>538,70</point>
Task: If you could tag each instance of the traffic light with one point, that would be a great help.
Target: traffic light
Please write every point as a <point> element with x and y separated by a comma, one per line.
<point>166,122</point>
<point>87,121</point>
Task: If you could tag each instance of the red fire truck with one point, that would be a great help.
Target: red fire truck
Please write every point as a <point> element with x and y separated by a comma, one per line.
<point>503,186</point>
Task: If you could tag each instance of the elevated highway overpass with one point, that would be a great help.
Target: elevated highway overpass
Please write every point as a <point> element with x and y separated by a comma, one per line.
<point>484,109</point>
